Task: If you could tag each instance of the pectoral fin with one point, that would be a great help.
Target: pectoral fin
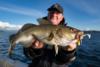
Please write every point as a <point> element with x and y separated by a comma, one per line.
<point>56,49</point>
<point>50,36</point>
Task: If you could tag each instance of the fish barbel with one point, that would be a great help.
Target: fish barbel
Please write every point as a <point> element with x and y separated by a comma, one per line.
<point>56,35</point>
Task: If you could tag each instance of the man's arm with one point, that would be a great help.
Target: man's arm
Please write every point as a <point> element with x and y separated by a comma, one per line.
<point>72,45</point>
<point>34,51</point>
<point>67,54</point>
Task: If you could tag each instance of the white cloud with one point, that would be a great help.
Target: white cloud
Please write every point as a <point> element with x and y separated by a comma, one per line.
<point>8,26</point>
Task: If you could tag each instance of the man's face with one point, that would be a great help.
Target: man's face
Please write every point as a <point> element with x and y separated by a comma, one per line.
<point>55,17</point>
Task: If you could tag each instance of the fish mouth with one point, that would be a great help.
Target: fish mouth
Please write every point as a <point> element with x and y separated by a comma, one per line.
<point>78,37</point>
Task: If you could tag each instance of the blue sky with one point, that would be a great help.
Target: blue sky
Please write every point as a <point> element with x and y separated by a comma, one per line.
<point>82,14</point>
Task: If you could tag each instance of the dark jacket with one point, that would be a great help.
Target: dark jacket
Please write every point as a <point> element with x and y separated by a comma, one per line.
<point>45,57</point>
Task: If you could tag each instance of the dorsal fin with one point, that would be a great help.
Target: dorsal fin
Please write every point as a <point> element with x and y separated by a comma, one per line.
<point>26,26</point>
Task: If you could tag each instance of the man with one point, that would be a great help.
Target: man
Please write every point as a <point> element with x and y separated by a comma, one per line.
<point>44,56</point>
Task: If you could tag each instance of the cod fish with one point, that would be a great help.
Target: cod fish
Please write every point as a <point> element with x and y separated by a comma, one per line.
<point>57,35</point>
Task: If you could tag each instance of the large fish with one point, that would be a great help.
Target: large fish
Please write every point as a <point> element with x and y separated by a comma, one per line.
<point>56,35</point>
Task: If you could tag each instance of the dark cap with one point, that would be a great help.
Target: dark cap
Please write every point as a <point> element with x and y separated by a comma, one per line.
<point>56,7</point>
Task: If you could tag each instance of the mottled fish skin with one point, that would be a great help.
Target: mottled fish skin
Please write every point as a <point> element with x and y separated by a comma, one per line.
<point>47,33</point>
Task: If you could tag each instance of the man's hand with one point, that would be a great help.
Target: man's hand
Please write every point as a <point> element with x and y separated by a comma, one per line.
<point>37,44</point>
<point>72,45</point>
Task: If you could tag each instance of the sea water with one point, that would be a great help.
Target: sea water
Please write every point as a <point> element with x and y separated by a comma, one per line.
<point>87,55</point>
